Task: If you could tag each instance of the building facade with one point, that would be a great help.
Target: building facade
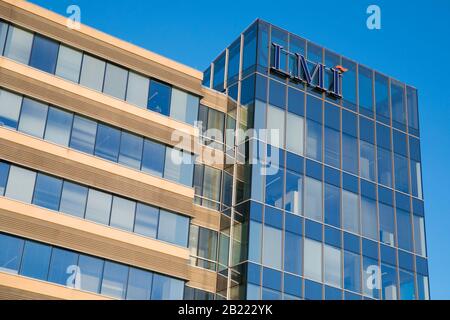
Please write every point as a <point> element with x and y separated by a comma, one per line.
<point>284,171</point>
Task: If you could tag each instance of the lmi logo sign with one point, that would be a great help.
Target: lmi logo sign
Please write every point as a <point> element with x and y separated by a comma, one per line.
<point>316,75</point>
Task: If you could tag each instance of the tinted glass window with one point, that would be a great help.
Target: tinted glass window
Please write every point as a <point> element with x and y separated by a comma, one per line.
<point>92,72</point>
<point>115,81</point>
<point>294,133</point>
<point>313,199</point>
<point>47,192</point>
<point>44,54</point>
<point>83,134</point>
<point>367,160</point>
<point>173,228</point>
<point>387,228</point>
<point>369,218</point>
<point>272,247</point>
<point>3,33</point>
<point>365,88</point>
<point>275,126</point>
<point>4,171</point>
<point>63,267</point>
<point>10,254</point>
<point>382,98</point>
<point>122,213</point>
<point>314,140</point>
<point>332,205</point>
<point>20,184</point>
<point>398,104</point>
<point>404,230</point>
<point>137,91</point>
<point>91,270</point>
<point>350,211</point>
<point>73,199</point>
<point>98,206</point>
<point>59,125</point>
<point>107,142</point>
<point>332,266</point>
<point>18,45</point>
<point>349,153</point>
<point>165,288</point>
<point>294,192</point>
<point>139,284</point>
<point>69,63</point>
<point>35,261</point>
<point>33,117</point>
<point>159,97</point>
<point>293,253</point>
<point>313,260</point>
<point>153,158</point>
<point>146,220</point>
<point>352,272</point>
<point>179,166</point>
<point>10,104</point>
<point>384,167</point>
<point>184,106</point>
<point>131,150</point>
<point>332,147</point>
<point>114,280</point>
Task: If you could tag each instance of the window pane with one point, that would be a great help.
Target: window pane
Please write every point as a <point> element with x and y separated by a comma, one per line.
<point>47,192</point>
<point>4,171</point>
<point>179,166</point>
<point>3,34</point>
<point>422,287</point>
<point>404,231</point>
<point>388,282</point>
<point>69,63</point>
<point>367,160</point>
<point>293,253</point>
<point>350,211</point>
<point>159,97</point>
<point>352,272</point>
<point>165,288</point>
<point>20,184</point>
<point>313,199</point>
<point>349,154</point>
<point>131,150</point>
<point>139,284</point>
<point>92,72</point>
<point>36,259</point>
<point>59,124</point>
<point>44,54</point>
<point>398,104</point>
<point>313,259</point>
<point>272,249</point>
<point>173,228</point>
<point>274,188</point>
<point>387,228</point>
<point>184,106</point>
<point>114,280</point>
<point>83,134</point>
<point>98,206</point>
<point>369,218</point>
<point>382,98</point>
<point>294,133</point>
<point>91,270</point>
<point>294,192</point>
<point>371,278</point>
<point>332,147</point>
<point>332,205</point>
<point>63,264</point>
<point>153,158</point>
<point>211,183</point>
<point>137,91</point>
<point>314,140</point>
<point>18,45</point>
<point>275,126</point>
<point>107,142</point>
<point>73,199</point>
<point>401,173</point>
<point>33,117</point>
<point>332,266</point>
<point>419,236</point>
<point>407,288</point>
<point>207,244</point>
<point>10,253</point>
<point>365,88</point>
<point>416,179</point>
<point>413,116</point>
<point>384,167</point>
<point>122,213</point>
<point>146,220</point>
<point>115,81</point>
<point>10,104</point>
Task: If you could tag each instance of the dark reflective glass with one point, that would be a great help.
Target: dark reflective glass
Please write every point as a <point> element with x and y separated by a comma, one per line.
<point>35,261</point>
<point>44,54</point>
<point>47,191</point>
<point>159,97</point>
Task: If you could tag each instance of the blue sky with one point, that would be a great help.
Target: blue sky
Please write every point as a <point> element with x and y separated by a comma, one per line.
<point>413,46</point>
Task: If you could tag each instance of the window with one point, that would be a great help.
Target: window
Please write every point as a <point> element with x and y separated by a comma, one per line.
<point>179,166</point>
<point>398,104</point>
<point>91,270</point>
<point>367,160</point>
<point>122,213</point>
<point>219,73</point>
<point>419,236</point>
<point>165,288</point>
<point>3,33</point>
<point>274,188</point>
<point>294,133</point>
<point>384,167</point>
<point>20,184</point>
<point>10,104</point>
<point>332,266</point>
<point>4,170</point>
<point>139,284</point>
<point>35,261</point>
<point>404,230</point>
<point>313,260</point>
<point>44,54</point>
<point>92,72</point>
<point>59,124</point>
<point>401,173</point>
<point>407,288</point>
<point>63,268</point>
<point>313,199</point>
<point>294,192</point>
<point>272,248</point>
<point>173,228</point>
<point>371,282</point>
<point>83,134</point>
<point>275,126</point>
<point>33,118</point>
<point>153,158</point>
<point>98,206</point>
<point>211,185</point>
<point>387,228</point>
<point>131,150</point>
<point>413,116</point>
<point>115,81</point>
<point>388,282</point>
<point>138,88</point>
<point>352,272</point>
<point>184,106</point>
<point>114,280</point>
<point>18,45</point>
<point>350,211</point>
<point>159,97</point>
<point>332,205</point>
<point>10,254</point>
<point>349,153</point>
<point>207,244</point>
<point>47,192</point>
<point>314,140</point>
<point>369,218</point>
<point>382,98</point>
<point>233,61</point>
<point>416,179</point>
<point>293,253</point>
<point>146,220</point>
<point>365,89</point>
<point>69,63</point>
<point>73,199</point>
<point>107,143</point>
<point>332,147</point>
